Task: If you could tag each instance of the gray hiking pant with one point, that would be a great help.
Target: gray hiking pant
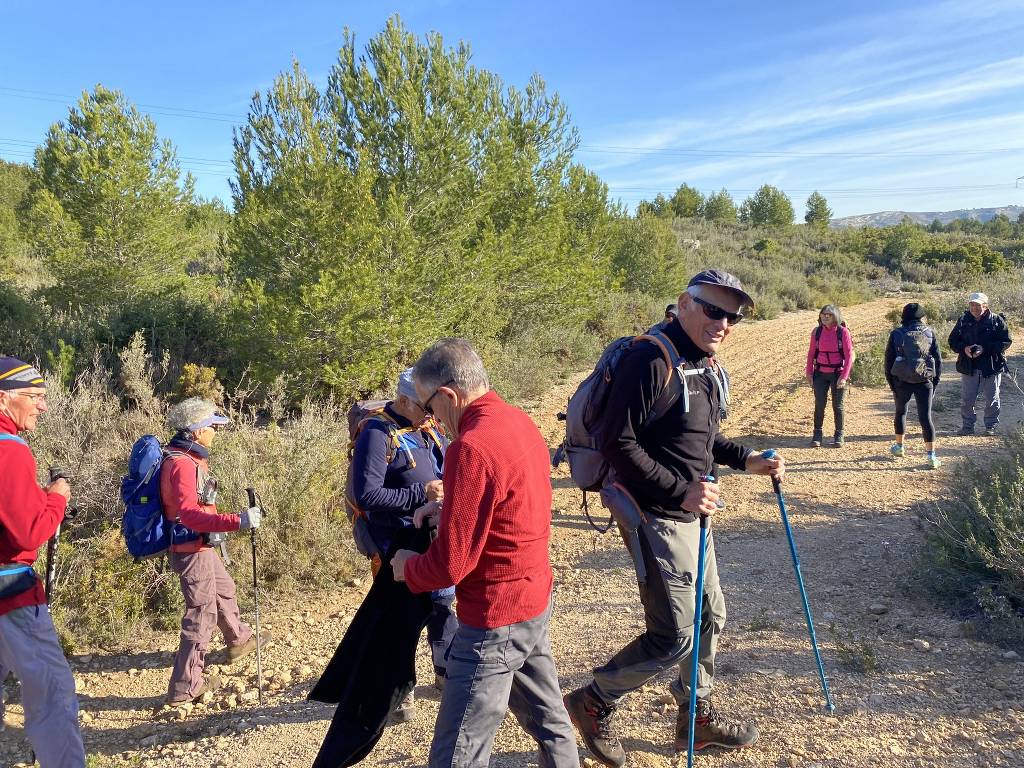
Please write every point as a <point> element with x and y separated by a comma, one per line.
<point>490,671</point>
<point>29,648</point>
<point>986,386</point>
<point>210,603</point>
<point>668,553</point>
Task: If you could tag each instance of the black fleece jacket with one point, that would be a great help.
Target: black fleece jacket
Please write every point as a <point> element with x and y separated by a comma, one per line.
<point>991,333</point>
<point>656,462</point>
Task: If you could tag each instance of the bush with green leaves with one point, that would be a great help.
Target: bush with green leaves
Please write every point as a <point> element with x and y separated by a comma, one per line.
<point>974,549</point>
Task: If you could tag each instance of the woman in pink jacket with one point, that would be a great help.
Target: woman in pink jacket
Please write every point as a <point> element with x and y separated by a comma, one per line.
<point>829,361</point>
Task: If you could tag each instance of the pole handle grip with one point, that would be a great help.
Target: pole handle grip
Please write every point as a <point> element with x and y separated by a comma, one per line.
<point>251,493</point>
<point>770,454</point>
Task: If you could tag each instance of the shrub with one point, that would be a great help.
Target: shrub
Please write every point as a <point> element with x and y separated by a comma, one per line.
<point>974,548</point>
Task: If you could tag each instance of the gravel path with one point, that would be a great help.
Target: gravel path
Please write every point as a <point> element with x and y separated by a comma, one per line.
<point>933,697</point>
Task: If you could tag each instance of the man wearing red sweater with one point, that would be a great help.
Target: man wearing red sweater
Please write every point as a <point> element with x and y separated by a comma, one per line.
<point>29,515</point>
<point>492,544</point>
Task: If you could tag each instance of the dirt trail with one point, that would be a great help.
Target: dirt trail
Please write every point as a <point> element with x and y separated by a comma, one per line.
<point>935,697</point>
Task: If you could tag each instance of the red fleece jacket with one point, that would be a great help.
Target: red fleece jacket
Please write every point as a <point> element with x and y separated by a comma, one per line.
<point>28,514</point>
<point>495,523</point>
<point>179,494</point>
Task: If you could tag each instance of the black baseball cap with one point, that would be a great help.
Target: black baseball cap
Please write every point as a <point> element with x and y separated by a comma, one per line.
<point>725,280</point>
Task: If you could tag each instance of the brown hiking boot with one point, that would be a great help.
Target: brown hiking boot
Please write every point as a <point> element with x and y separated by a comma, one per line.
<point>236,652</point>
<point>711,730</point>
<point>210,683</point>
<point>593,720</point>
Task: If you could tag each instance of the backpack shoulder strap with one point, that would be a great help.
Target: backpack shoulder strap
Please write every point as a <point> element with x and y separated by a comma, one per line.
<point>394,432</point>
<point>13,438</point>
<point>669,393</point>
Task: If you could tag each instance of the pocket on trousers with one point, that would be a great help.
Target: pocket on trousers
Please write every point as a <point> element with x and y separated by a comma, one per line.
<point>480,647</point>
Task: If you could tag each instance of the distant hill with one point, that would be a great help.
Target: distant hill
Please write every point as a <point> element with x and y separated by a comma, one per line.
<point>889,218</point>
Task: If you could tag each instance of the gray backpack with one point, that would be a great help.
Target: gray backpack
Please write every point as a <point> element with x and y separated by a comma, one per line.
<point>913,363</point>
<point>586,413</point>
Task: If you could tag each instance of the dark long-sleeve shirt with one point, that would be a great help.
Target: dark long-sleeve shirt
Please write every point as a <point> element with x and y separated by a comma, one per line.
<point>389,492</point>
<point>658,461</point>
<point>891,353</point>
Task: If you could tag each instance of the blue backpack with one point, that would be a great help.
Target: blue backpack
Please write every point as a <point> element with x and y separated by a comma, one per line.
<point>147,532</point>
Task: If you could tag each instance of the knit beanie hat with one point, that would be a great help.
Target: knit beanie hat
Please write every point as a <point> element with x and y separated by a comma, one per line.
<point>17,374</point>
<point>912,312</point>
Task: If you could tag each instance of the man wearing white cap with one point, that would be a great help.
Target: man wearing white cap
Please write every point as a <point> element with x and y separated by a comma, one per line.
<point>980,338</point>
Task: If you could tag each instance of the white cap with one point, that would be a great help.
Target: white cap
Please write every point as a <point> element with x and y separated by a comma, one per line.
<point>978,298</point>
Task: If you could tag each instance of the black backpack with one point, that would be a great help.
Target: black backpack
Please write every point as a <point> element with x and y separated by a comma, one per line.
<point>913,363</point>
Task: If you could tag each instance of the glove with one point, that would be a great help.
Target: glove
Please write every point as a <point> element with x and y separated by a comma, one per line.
<point>250,518</point>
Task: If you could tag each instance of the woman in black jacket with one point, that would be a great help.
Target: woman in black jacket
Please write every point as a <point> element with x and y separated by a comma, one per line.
<point>913,366</point>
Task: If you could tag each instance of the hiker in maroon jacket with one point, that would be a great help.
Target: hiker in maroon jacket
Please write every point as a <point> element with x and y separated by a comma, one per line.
<point>187,492</point>
<point>29,515</point>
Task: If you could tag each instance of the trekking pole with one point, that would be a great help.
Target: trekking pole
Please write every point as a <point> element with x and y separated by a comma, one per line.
<point>695,645</point>
<point>770,454</point>
<point>56,473</point>
<point>256,603</point>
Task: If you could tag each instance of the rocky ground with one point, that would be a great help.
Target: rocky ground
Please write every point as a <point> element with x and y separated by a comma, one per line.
<point>910,688</point>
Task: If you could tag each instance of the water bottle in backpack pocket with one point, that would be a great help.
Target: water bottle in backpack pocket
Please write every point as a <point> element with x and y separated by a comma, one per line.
<point>913,363</point>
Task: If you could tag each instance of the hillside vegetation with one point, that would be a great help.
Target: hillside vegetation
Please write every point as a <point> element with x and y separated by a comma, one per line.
<point>413,196</point>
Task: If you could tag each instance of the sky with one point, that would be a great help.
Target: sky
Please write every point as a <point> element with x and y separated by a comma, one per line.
<point>878,105</point>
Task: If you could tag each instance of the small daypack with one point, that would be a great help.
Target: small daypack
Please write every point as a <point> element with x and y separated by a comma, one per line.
<point>839,340</point>
<point>147,531</point>
<point>586,413</point>
<point>359,416</point>
<point>913,363</point>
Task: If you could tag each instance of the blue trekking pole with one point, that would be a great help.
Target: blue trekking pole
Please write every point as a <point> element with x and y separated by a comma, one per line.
<point>770,454</point>
<point>695,650</point>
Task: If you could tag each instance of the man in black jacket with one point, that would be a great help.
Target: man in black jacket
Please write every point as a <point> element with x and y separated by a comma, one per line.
<point>980,338</point>
<point>665,467</point>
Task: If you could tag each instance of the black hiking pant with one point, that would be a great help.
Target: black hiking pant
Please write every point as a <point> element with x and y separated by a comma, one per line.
<point>825,383</point>
<point>923,394</point>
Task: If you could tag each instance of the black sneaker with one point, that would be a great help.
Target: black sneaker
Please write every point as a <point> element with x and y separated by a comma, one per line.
<point>593,720</point>
<point>838,441</point>
<point>711,730</point>
<point>965,431</point>
<point>816,439</point>
<point>990,431</point>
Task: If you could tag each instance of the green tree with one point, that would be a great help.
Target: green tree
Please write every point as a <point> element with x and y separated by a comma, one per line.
<point>768,207</point>
<point>719,207</point>
<point>109,210</point>
<point>415,196</point>
<point>818,213</point>
<point>16,263</point>
<point>686,202</point>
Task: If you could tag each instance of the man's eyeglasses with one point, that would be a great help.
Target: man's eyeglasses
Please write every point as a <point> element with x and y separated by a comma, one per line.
<point>713,312</point>
<point>39,397</point>
<point>426,405</point>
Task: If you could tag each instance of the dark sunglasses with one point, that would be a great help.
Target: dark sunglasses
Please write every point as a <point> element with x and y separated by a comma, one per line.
<point>426,406</point>
<point>713,312</point>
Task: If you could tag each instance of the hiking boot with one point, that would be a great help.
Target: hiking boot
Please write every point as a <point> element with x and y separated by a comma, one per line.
<point>710,729</point>
<point>816,440</point>
<point>990,431</point>
<point>966,431</point>
<point>210,684</point>
<point>236,652</point>
<point>593,720</point>
<point>896,449</point>
<point>933,462</point>
<point>838,441</point>
<point>405,711</point>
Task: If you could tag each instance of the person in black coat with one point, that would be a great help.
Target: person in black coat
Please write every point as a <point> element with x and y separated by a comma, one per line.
<point>913,367</point>
<point>980,337</point>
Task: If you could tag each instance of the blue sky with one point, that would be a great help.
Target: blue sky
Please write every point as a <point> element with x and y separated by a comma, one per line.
<point>881,106</point>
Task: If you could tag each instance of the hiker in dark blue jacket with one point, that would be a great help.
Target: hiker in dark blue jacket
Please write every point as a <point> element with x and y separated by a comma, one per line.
<point>911,378</point>
<point>396,468</point>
